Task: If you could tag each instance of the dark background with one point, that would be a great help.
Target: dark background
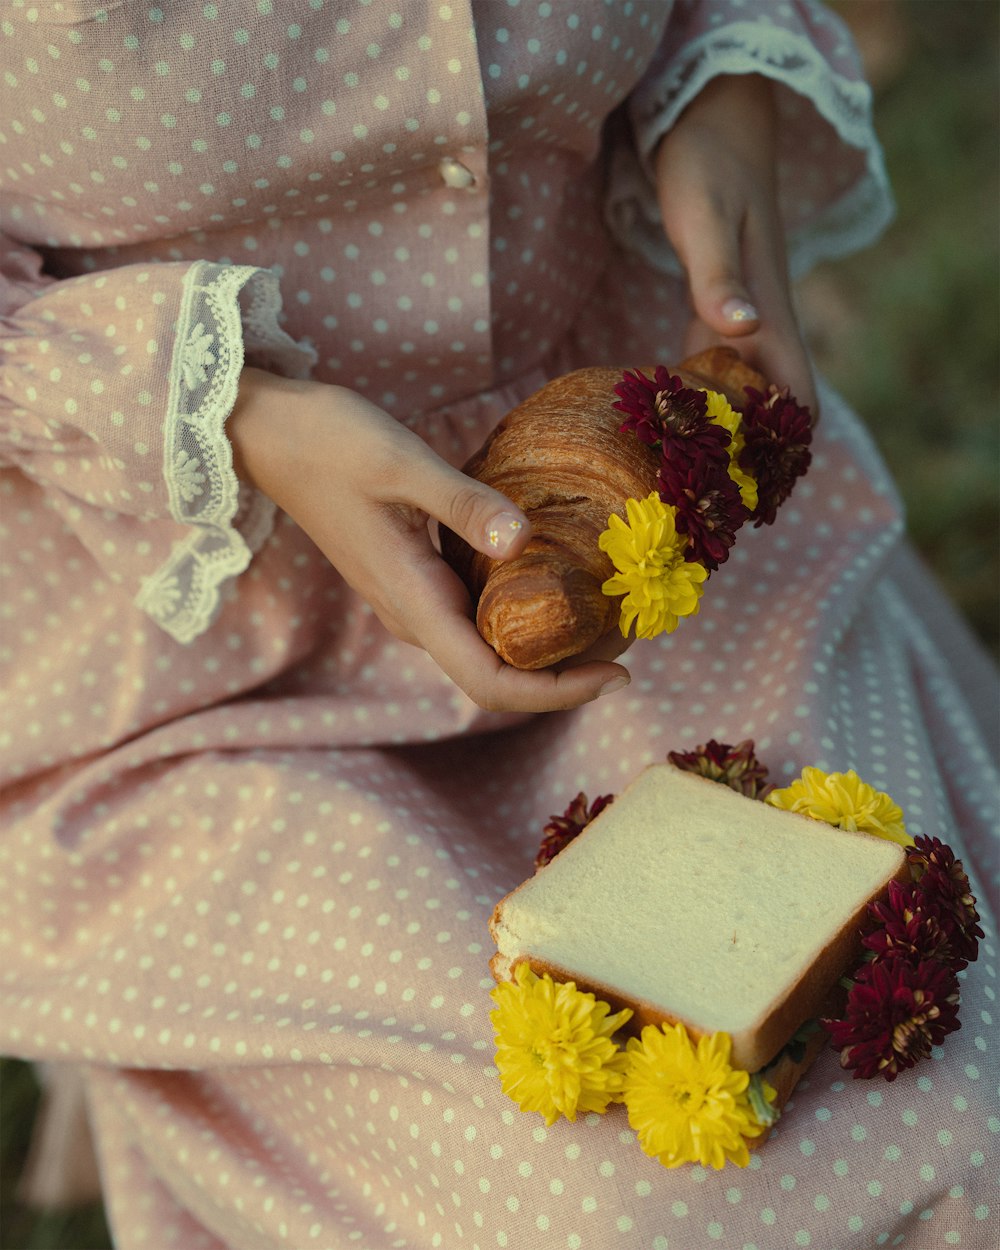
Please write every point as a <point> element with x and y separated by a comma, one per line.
<point>908,330</point>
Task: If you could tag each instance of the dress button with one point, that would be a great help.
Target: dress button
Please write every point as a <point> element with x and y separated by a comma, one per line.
<point>455,174</point>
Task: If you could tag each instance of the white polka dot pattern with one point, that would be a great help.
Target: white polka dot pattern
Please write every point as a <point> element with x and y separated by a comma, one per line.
<point>244,882</point>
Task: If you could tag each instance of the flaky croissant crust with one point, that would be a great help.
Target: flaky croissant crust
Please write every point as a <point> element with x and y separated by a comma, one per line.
<point>562,458</point>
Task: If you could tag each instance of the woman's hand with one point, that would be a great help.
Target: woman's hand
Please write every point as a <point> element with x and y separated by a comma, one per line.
<point>363,487</point>
<point>715,173</point>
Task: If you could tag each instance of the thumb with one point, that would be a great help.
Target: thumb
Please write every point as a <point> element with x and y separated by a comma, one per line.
<point>485,518</point>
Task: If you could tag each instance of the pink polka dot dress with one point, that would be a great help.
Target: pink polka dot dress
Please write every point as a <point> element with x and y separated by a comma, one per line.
<point>251,842</point>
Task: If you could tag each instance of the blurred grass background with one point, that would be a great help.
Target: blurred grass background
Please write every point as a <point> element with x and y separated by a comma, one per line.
<point>907,331</point>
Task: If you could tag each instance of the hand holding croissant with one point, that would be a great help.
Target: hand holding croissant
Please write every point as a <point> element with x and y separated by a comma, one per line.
<point>563,457</point>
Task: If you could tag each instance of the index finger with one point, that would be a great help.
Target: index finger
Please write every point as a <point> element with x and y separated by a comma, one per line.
<point>497,687</point>
<point>440,625</point>
<point>778,343</point>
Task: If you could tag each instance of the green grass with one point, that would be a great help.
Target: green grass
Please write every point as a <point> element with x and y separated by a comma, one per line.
<point>21,1229</point>
<point>916,354</point>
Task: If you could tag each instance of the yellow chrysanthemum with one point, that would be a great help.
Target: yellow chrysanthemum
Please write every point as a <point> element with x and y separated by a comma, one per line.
<point>844,800</point>
<point>554,1049</point>
<point>721,412</point>
<point>659,585</point>
<point>685,1102</point>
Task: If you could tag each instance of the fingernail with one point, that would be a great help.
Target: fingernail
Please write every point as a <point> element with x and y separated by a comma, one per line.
<point>737,311</point>
<point>502,532</point>
<point>613,684</point>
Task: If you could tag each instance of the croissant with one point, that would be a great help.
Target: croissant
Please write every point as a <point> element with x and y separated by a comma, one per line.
<point>562,457</point>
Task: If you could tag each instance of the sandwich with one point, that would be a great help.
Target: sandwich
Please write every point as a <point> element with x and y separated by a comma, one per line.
<point>726,926</point>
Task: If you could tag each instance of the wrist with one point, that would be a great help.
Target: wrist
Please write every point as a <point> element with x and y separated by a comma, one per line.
<point>266,428</point>
<point>732,115</point>
<point>742,102</point>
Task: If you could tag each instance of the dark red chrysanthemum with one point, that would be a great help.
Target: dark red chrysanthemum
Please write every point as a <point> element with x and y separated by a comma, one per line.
<point>709,507</point>
<point>663,409</point>
<point>561,830</point>
<point>734,766</point>
<point>944,882</point>
<point>910,925</point>
<point>896,1011</point>
<point>777,433</point>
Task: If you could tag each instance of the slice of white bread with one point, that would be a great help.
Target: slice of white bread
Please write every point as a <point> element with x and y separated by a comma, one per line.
<point>688,902</point>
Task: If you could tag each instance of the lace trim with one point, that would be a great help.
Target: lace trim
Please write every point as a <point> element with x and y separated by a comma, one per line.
<point>229,520</point>
<point>848,224</point>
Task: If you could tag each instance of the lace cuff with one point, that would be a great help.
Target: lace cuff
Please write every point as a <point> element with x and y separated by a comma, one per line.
<point>829,210</point>
<point>226,312</point>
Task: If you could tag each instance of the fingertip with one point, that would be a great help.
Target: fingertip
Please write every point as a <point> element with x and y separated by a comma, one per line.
<point>577,686</point>
<point>726,310</point>
<point>505,534</point>
<point>596,677</point>
<point>618,682</point>
<point>738,316</point>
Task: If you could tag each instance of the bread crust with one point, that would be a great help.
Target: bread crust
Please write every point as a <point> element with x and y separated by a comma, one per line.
<point>782,1072</point>
<point>757,1045</point>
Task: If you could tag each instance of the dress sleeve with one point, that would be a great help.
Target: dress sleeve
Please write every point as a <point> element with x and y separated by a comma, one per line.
<point>114,392</point>
<point>833,190</point>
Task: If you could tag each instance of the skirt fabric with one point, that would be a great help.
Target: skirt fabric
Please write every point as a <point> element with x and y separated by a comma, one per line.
<point>265,923</point>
